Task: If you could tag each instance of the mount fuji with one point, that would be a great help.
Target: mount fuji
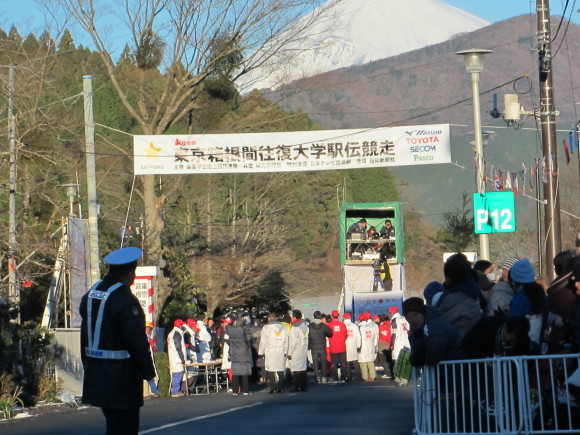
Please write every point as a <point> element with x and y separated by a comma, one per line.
<point>364,31</point>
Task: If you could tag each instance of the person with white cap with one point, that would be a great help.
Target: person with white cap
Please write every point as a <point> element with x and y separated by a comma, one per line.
<point>501,293</point>
<point>115,350</point>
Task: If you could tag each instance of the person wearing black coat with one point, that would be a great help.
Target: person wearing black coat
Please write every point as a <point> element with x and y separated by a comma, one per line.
<point>114,347</point>
<point>239,339</point>
<point>318,332</point>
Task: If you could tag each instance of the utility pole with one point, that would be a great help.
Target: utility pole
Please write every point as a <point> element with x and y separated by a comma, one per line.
<point>91,180</point>
<point>13,291</point>
<point>547,118</point>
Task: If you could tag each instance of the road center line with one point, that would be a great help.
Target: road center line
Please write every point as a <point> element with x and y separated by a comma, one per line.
<point>201,417</point>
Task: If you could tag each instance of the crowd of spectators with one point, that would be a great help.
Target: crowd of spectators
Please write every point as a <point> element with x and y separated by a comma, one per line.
<point>466,317</point>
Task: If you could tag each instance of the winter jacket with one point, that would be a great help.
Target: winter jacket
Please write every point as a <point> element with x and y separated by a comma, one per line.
<point>274,346</point>
<point>437,341</point>
<point>353,340</point>
<point>239,340</point>
<point>298,346</point>
<point>369,342</point>
<point>115,383</point>
<point>338,339</point>
<point>176,350</point>
<point>318,332</point>
<point>500,297</point>
<point>385,333</point>
<point>204,339</point>
<point>399,334</point>
<point>460,305</point>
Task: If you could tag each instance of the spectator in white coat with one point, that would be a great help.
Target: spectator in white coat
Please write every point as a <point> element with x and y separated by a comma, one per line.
<point>274,347</point>
<point>399,337</point>
<point>177,354</point>
<point>368,349</point>
<point>353,343</point>
<point>298,351</point>
<point>204,339</point>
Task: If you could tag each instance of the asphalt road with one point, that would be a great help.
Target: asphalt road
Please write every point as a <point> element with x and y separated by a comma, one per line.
<point>371,408</point>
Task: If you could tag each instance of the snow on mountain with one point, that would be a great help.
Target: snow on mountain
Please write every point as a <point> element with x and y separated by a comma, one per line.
<point>368,30</point>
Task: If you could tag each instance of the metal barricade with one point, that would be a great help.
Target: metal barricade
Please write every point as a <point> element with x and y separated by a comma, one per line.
<point>497,396</point>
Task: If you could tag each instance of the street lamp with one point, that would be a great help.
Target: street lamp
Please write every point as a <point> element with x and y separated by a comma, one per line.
<point>474,65</point>
<point>72,192</point>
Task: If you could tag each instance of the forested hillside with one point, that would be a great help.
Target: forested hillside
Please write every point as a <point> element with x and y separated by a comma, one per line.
<point>229,239</point>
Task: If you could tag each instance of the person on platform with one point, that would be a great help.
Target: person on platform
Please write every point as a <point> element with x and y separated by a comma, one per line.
<point>353,344</point>
<point>115,352</point>
<point>368,349</point>
<point>239,340</point>
<point>359,227</point>
<point>318,333</point>
<point>373,234</point>
<point>388,230</point>
<point>274,347</point>
<point>337,344</point>
<point>298,351</point>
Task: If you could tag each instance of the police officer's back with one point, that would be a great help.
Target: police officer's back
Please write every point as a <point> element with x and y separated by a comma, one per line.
<point>115,349</point>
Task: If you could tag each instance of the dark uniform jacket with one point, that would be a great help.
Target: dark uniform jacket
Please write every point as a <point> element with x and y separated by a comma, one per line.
<point>318,332</point>
<point>117,383</point>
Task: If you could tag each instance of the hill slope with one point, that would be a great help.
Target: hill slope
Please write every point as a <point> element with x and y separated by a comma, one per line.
<point>430,85</point>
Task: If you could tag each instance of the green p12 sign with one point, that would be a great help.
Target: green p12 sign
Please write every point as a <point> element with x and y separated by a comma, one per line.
<point>494,212</point>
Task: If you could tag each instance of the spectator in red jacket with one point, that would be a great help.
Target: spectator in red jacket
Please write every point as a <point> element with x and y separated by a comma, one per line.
<point>338,349</point>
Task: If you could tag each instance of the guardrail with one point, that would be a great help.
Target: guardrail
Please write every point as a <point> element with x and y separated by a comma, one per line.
<point>508,395</point>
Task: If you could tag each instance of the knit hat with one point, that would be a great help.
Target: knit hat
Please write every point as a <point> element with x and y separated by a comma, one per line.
<point>413,305</point>
<point>178,323</point>
<point>346,316</point>
<point>393,310</point>
<point>508,263</point>
<point>523,272</point>
<point>431,290</point>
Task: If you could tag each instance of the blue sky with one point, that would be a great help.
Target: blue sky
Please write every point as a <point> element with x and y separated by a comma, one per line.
<point>26,15</point>
<point>20,11</point>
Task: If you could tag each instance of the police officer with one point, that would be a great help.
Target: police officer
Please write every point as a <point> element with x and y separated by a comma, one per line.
<point>115,351</point>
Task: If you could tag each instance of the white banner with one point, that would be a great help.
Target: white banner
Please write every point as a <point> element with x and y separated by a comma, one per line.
<point>292,151</point>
